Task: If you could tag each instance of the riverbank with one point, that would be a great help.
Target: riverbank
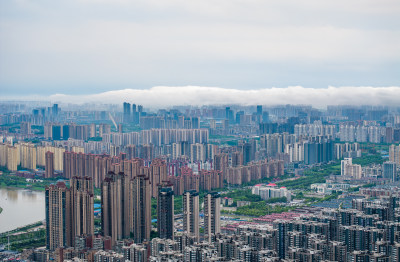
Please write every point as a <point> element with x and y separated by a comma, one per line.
<point>29,236</point>
<point>36,189</point>
<point>26,228</point>
<point>12,181</point>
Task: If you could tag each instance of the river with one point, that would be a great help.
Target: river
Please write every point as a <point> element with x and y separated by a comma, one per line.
<point>20,207</point>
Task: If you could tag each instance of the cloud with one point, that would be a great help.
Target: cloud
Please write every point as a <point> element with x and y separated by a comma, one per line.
<point>71,46</point>
<point>164,96</point>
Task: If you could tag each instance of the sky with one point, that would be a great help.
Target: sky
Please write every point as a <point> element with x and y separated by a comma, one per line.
<point>85,48</point>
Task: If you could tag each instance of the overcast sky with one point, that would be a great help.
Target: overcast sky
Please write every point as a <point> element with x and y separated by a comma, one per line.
<point>81,47</point>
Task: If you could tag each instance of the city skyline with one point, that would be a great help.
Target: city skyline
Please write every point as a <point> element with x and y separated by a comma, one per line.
<point>210,183</point>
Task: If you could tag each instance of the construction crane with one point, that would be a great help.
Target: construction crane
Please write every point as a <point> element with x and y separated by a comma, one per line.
<point>112,119</point>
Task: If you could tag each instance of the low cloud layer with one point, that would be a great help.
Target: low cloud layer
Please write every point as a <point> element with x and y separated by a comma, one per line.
<point>164,96</point>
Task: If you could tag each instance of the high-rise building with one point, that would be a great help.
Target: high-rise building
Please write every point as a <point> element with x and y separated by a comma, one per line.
<point>348,169</point>
<point>92,129</point>
<point>210,179</point>
<point>56,132</point>
<point>69,212</point>
<point>127,112</point>
<point>388,135</point>
<point>142,208</point>
<point>82,207</point>
<point>116,206</point>
<point>55,110</point>
<point>259,110</point>
<point>58,215</point>
<point>131,151</point>
<point>191,213</point>
<point>237,159</point>
<point>3,154</point>
<point>49,168</point>
<point>165,211</point>
<point>197,152</point>
<point>195,122</point>
<point>248,152</point>
<point>318,151</point>
<point>282,230</point>
<point>212,215</point>
<point>389,171</point>
<point>265,117</point>
<point>58,157</point>
<point>26,128</point>
<point>104,129</point>
<point>158,174</point>
<point>394,154</point>
<point>229,115</point>
<point>27,155</point>
<point>146,151</point>
<point>12,158</point>
<point>138,253</point>
<point>221,162</point>
<point>343,164</point>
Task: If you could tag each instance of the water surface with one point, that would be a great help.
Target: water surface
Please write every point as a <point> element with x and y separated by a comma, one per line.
<point>20,207</point>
